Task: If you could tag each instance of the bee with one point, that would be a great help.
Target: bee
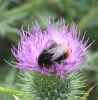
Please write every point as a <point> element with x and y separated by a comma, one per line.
<point>55,53</point>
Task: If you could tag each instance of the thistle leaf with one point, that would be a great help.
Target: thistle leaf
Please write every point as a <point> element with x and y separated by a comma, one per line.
<point>16,98</point>
<point>88,92</point>
<point>11,91</point>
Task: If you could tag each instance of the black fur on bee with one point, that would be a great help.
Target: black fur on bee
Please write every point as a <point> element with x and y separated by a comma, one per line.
<point>54,54</point>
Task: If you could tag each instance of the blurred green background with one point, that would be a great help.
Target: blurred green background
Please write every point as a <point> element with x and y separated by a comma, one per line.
<point>15,13</point>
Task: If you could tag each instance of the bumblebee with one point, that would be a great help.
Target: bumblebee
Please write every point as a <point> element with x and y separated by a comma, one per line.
<point>55,53</point>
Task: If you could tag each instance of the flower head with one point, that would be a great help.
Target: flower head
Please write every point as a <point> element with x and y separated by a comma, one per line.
<point>51,41</point>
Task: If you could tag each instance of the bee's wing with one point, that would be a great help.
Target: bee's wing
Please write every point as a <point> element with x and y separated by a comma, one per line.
<point>53,45</point>
<point>57,52</point>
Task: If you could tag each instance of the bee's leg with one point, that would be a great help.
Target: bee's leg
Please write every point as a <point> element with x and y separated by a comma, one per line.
<point>63,63</point>
<point>55,69</point>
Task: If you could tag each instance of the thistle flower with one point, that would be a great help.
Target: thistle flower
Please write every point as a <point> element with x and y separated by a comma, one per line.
<point>32,45</point>
<point>45,55</point>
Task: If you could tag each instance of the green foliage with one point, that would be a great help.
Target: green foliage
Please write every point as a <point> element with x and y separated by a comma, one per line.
<point>5,25</point>
<point>8,83</point>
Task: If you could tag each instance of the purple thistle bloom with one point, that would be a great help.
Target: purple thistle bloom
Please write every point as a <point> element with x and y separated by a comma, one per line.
<point>31,46</point>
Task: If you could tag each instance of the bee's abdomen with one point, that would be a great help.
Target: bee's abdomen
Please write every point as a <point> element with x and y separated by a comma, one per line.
<point>44,60</point>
